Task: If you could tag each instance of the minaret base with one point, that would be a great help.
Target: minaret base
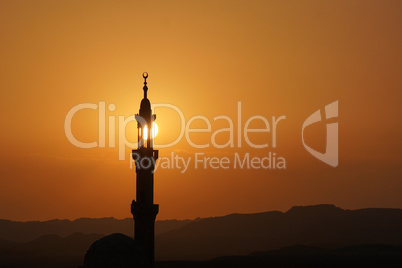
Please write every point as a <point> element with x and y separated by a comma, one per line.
<point>144,227</point>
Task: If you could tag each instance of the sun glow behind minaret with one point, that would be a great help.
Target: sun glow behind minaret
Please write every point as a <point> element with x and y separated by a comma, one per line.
<point>155,131</point>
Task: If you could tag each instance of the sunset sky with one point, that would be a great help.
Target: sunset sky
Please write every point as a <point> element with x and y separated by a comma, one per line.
<point>277,58</point>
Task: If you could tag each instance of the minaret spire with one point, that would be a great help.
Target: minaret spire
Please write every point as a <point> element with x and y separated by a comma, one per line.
<point>145,88</point>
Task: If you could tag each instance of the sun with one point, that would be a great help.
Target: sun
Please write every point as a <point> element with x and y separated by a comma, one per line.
<point>155,131</point>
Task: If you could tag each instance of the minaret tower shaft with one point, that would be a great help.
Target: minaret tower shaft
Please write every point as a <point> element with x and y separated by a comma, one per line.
<point>143,209</point>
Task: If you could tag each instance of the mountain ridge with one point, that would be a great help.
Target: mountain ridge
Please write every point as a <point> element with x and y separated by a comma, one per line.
<point>19,231</point>
<point>317,225</point>
<point>323,225</point>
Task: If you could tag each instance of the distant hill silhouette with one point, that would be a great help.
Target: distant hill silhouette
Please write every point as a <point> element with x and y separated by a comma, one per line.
<point>320,225</point>
<point>47,251</point>
<point>325,231</point>
<point>26,231</point>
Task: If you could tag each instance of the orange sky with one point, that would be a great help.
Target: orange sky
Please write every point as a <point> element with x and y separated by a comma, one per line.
<point>276,58</point>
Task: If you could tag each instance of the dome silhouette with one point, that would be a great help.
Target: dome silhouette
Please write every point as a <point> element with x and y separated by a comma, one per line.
<point>115,250</point>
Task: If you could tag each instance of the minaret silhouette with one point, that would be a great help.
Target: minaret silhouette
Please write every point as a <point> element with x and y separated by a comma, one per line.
<point>144,210</point>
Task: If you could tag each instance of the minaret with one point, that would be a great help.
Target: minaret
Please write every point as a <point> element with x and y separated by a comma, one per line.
<point>144,210</point>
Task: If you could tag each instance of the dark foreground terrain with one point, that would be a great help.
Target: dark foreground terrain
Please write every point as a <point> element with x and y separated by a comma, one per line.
<point>331,237</point>
<point>302,256</point>
<point>296,256</point>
